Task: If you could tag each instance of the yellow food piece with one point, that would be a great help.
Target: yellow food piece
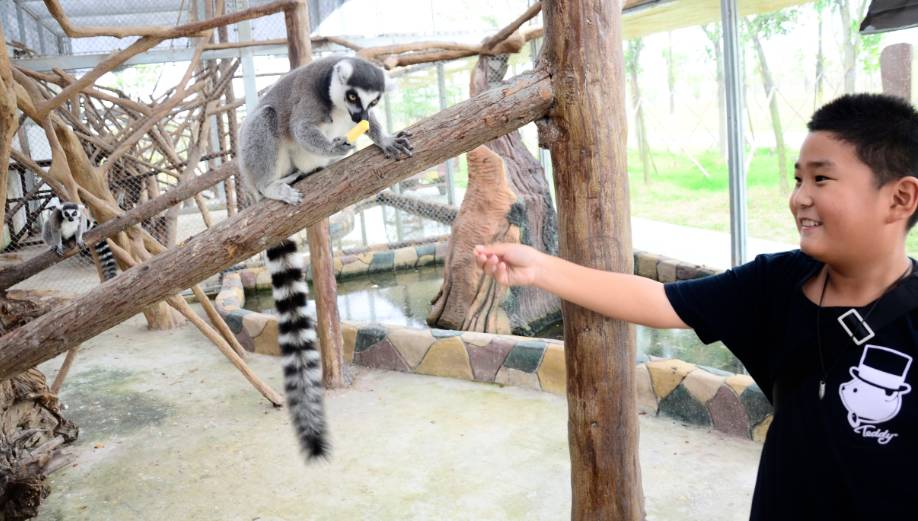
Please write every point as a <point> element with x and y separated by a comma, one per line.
<point>358,130</point>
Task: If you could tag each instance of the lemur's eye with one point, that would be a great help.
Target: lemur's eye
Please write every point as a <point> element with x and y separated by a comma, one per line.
<point>352,97</point>
<point>373,104</point>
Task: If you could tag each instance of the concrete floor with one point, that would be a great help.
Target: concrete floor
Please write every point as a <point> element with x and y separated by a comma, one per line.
<point>171,431</point>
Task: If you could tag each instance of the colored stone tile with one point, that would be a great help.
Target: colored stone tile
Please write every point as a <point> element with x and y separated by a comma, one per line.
<point>368,336</point>
<point>508,376</point>
<point>681,405</point>
<point>646,399</point>
<point>426,249</point>
<point>739,383</point>
<point>552,373</point>
<point>728,414</point>
<point>254,323</point>
<point>353,268</point>
<point>366,257</point>
<point>426,260</point>
<point>382,261</point>
<point>666,270</point>
<point>647,265</point>
<point>338,266</point>
<point>245,341</point>
<point>667,374</point>
<point>487,360</point>
<point>447,357</point>
<point>525,356</point>
<point>714,370</point>
<point>702,385</point>
<point>760,430</point>
<point>756,405</point>
<point>347,259</point>
<point>266,342</point>
<point>381,355</point>
<point>444,333</point>
<point>263,280</point>
<point>690,271</point>
<point>234,320</point>
<point>412,344</point>
<point>477,339</point>
<point>405,257</point>
<point>249,279</point>
<point>441,250</point>
<point>349,334</point>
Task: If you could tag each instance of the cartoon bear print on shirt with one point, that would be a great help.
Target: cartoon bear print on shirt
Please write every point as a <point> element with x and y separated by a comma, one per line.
<point>874,393</point>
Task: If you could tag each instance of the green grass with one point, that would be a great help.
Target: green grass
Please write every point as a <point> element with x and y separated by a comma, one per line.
<point>680,193</point>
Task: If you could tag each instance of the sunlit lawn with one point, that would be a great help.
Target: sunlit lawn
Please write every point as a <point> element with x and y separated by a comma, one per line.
<point>679,193</point>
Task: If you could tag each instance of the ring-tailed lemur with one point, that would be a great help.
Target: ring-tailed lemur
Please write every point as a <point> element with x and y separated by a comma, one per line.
<point>69,222</point>
<point>299,127</point>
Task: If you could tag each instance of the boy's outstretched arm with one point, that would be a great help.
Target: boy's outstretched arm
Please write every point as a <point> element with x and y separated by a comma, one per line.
<point>617,295</point>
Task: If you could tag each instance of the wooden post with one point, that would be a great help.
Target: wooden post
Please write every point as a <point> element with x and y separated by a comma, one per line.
<point>587,138</point>
<point>328,323</point>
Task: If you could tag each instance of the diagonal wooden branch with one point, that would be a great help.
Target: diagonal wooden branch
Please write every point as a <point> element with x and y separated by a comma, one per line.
<point>144,44</point>
<point>447,134</point>
<point>189,29</point>
<point>512,27</point>
<point>506,40</point>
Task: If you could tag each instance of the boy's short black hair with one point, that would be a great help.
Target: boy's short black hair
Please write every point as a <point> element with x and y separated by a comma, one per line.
<point>883,130</point>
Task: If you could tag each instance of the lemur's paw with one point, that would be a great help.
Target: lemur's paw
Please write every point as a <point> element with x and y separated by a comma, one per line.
<point>398,146</point>
<point>81,243</point>
<point>340,146</point>
<point>290,196</point>
<point>59,250</point>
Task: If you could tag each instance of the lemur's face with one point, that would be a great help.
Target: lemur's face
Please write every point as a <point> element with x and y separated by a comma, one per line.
<point>356,90</point>
<point>360,101</point>
<point>70,212</point>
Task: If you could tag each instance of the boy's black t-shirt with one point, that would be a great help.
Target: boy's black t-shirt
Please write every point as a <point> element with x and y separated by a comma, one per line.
<point>852,454</point>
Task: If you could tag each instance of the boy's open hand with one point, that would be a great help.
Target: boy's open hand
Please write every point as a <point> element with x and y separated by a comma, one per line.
<point>509,264</point>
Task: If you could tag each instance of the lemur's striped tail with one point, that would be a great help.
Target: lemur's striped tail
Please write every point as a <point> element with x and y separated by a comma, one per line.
<point>106,260</point>
<point>297,339</point>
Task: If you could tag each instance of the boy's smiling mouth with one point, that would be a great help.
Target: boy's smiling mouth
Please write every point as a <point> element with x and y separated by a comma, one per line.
<point>808,224</point>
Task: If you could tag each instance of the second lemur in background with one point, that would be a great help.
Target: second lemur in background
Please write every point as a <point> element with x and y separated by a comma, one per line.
<point>68,222</point>
<point>299,127</point>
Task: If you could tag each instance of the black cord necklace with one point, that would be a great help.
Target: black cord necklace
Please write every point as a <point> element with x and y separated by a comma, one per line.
<point>822,295</point>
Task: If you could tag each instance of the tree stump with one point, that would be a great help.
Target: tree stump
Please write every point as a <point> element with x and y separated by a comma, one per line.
<point>468,300</point>
<point>32,429</point>
<point>507,201</point>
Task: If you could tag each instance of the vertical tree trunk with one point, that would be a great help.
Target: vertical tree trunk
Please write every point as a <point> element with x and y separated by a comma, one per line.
<point>849,46</point>
<point>8,124</point>
<point>587,137</point>
<point>820,63</point>
<point>769,85</point>
<point>643,146</point>
<point>328,323</point>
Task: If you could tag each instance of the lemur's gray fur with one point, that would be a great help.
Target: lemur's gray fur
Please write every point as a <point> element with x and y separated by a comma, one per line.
<point>298,127</point>
<point>69,222</point>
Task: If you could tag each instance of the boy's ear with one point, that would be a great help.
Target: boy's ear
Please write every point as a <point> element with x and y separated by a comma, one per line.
<point>904,198</point>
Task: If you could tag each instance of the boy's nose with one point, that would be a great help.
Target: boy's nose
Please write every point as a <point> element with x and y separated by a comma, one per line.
<point>800,197</point>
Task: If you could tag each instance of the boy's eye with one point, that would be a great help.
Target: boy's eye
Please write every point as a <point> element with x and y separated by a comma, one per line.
<point>821,178</point>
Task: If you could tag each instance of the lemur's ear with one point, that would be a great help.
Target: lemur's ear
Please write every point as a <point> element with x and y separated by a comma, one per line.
<point>343,70</point>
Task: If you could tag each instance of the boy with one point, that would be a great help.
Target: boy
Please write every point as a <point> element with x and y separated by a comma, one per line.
<point>828,331</point>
